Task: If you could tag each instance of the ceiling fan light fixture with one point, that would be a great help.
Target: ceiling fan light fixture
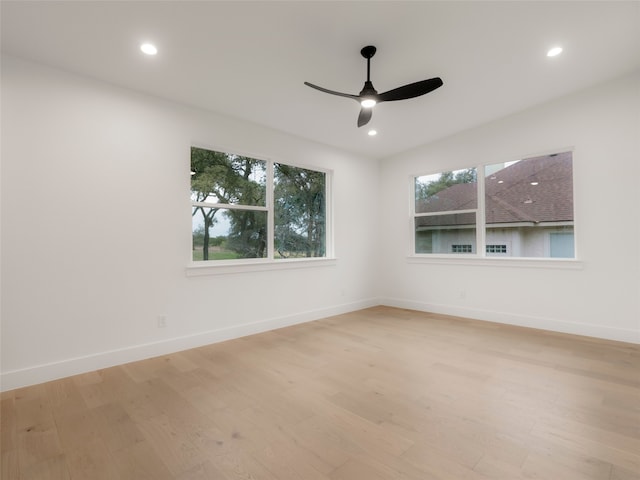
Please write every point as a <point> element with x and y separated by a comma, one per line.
<point>554,52</point>
<point>148,49</point>
<point>367,102</point>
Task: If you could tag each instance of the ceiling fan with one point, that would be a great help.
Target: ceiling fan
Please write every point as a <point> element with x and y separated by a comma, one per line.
<point>369,97</point>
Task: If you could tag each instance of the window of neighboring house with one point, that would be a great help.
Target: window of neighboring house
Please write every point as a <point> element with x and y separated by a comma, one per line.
<point>445,212</point>
<point>526,209</point>
<point>248,208</point>
<point>561,244</point>
<point>496,249</point>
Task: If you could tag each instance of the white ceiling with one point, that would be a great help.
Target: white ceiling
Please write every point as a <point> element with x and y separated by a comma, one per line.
<point>249,59</point>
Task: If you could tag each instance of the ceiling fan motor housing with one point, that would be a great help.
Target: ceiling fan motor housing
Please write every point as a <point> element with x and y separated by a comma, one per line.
<point>368,90</point>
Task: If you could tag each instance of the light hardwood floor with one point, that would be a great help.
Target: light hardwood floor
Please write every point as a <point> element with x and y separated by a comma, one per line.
<point>381,393</point>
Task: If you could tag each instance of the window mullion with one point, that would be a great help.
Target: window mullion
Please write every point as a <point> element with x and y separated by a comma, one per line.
<point>481,236</point>
<point>328,215</point>
<point>445,212</point>
<point>226,206</point>
<point>270,194</point>
<point>412,219</point>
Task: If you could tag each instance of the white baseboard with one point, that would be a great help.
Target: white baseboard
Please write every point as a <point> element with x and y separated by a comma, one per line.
<point>73,366</point>
<point>542,323</point>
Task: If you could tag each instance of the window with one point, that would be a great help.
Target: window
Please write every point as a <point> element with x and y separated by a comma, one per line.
<point>526,209</point>
<point>561,244</point>
<point>445,211</point>
<point>526,201</point>
<point>299,212</point>
<point>496,249</point>
<point>247,208</point>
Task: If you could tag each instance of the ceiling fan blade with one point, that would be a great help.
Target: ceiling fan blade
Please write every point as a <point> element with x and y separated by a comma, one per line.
<point>332,92</point>
<point>410,91</point>
<point>365,116</point>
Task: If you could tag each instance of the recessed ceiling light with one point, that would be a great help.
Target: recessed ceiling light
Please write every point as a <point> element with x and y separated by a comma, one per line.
<point>148,48</point>
<point>372,133</point>
<point>555,51</point>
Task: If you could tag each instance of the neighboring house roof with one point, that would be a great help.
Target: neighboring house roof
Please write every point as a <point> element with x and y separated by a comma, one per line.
<point>510,195</point>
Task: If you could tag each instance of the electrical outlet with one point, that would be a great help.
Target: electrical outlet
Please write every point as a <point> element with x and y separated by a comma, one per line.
<point>162,321</point>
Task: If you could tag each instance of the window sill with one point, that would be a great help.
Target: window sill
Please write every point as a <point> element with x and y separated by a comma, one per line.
<point>227,267</point>
<point>550,263</point>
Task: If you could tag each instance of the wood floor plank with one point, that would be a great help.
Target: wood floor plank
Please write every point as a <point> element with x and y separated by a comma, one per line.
<point>287,462</point>
<point>331,451</point>
<point>619,473</point>
<point>53,468</point>
<point>38,443</point>
<point>203,471</point>
<point>238,465</point>
<point>382,393</point>
<point>141,462</point>
<point>437,465</point>
<point>358,469</point>
<point>591,448</point>
<point>9,424</point>
<point>9,466</point>
<point>496,469</point>
<point>372,437</point>
<point>172,446</point>
<point>551,466</point>
<point>91,460</point>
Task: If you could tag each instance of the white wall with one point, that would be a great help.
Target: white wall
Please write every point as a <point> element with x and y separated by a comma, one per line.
<point>602,298</point>
<point>96,222</point>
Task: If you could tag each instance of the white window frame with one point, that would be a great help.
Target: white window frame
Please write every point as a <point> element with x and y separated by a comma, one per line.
<point>220,267</point>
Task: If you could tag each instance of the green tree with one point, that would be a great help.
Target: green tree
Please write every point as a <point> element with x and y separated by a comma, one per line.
<point>300,217</point>
<point>426,190</point>
<point>466,176</point>
<point>248,233</point>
